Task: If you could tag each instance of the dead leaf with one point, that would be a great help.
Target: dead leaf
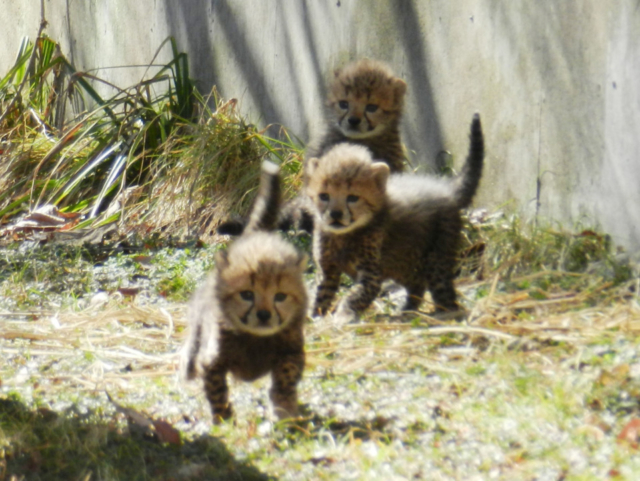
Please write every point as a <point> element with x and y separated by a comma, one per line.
<point>143,260</point>
<point>621,371</point>
<point>161,430</point>
<point>321,461</point>
<point>45,218</point>
<point>129,291</point>
<point>166,432</point>
<point>630,433</point>
<point>92,235</point>
<point>592,431</point>
<point>134,418</point>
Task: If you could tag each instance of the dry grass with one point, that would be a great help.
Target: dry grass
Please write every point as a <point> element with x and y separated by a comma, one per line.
<point>156,156</point>
<point>62,359</point>
<point>123,333</point>
<point>387,398</point>
<point>212,173</point>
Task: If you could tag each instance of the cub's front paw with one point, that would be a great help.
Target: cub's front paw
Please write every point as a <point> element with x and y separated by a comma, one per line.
<point>344,314</point>
<point>285,405</point>
<point>222,413</point>
<point>286,410</point>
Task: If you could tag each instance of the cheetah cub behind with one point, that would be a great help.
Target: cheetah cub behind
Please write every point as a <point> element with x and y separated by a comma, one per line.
<point>248,316</point>
<point>364,107</point>
<point>374,226</point>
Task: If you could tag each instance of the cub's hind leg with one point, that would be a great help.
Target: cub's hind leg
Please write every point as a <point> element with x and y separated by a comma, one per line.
<point>439,276</point>
<point>442,261</point>
<point>415,295</point>
<point>284,380</point>
<point>217,392</point>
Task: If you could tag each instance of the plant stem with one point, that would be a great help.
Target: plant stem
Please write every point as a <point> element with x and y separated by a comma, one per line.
<point>32,61</point>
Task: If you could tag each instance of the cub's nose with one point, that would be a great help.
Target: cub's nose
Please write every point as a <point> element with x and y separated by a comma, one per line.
<point>263,316</point>
<point>354,121</point>
<point>336,214</point>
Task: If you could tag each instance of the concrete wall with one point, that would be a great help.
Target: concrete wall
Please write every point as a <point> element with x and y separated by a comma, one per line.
<point>557,83</point>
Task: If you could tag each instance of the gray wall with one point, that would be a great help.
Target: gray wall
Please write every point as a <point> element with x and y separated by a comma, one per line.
<point>557,83</point>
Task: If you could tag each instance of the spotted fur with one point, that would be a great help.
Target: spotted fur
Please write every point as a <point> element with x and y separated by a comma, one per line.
<point>364,106</point>
<point>375,226</point>
<point>247,318</point>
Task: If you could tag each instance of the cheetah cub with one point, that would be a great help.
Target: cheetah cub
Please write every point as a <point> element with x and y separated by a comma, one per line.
<point>375,226</point>
<point>364,106</point>
<point>248,316</point>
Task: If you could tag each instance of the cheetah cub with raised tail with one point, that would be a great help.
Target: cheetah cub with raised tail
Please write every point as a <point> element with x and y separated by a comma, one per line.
<point>375,226</point>
<point>248,317</point>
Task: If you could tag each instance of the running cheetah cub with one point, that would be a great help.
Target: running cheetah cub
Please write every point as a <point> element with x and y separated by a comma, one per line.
<point>375,226</point>
<point>247,318</point>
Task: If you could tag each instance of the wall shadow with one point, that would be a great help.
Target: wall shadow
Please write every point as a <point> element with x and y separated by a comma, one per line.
<point>406,20</point>
<point>556,57</point>
<point>189,21</point>
<point>309,49</point>
<point>193,20</point>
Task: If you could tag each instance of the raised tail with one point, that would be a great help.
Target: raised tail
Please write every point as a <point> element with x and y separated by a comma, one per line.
<point>469,178</point>
<point>264,213</point>
<point>297,212</point>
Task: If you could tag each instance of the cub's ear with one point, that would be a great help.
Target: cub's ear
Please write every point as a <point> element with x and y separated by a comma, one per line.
<point>312,165</point>
<point>221,259</point>
<point>380,172</point>
<point>303,262</point>
<point>400,88</point>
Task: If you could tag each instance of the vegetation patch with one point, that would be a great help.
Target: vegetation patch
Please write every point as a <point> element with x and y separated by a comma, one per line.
<point>41,444</point>
<point>154,156</point>
<point>525,386</point>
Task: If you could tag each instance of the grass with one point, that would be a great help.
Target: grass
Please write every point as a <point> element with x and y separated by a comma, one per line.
<point>539,383</point>
<point>154,152</point>
<point>528,388</point>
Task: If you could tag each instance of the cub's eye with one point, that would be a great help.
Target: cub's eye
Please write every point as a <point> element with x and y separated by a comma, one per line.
<point>324,197</point>
<point>247,295</point>
<point>344,105</point>
<point>371,108</point>
<point>352,198</point>
<point>280,296</point>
